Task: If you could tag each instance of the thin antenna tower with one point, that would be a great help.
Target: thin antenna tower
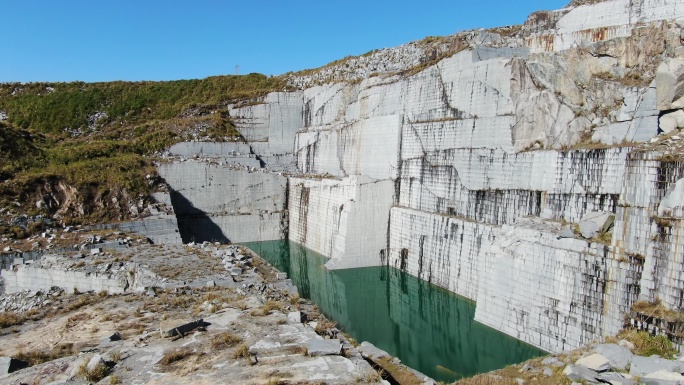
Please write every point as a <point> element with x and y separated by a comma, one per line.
<point>237,69</point>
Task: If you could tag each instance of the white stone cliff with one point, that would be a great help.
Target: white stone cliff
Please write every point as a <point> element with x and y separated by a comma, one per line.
<point>460,159</point>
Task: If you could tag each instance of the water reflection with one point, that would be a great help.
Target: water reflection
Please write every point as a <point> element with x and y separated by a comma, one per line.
<point>428,328</point>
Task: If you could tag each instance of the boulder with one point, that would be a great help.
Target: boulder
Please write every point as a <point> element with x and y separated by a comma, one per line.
<point>112,338</point>
<point>618,356</point>
<point>316,347</point>
<point>594,222</point>
<point>595,362</point>
<point>670,84</point>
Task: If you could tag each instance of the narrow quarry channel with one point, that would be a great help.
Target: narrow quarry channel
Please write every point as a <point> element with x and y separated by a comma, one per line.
<point>428,328</point>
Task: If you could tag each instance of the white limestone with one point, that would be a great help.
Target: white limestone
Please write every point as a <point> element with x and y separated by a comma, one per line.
<point>230,204</point>
<point>369,147</point>
<point>345,220</point>
<point>464,172</point>
<point>603,21</point>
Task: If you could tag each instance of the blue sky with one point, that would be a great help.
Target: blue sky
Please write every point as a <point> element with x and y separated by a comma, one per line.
<point>103,40</point>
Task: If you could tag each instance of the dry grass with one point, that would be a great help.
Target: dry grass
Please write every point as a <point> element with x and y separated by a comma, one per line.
<point>8,319</point>
<point>657,310</point>
<point>225,340</point>
<point>99,372</point>
<point>267,308</point>
<point>242,351</point>
<point>76,319</point>
<point>298,350</point>
<point>172,357</point>
<point>488,379</point>
<point>400,374</point>
<point>38,357</point>
<point>323,325</point>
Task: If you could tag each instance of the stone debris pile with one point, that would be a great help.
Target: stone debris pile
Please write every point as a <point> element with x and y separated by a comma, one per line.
<point>616,364</point>
<point>28,300</point>
<point>234,260</point>
<point>103,272</point>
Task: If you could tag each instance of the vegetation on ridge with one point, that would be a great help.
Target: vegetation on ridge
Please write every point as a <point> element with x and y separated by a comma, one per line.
<point>92,144</point>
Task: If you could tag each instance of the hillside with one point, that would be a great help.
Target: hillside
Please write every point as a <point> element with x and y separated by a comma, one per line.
<point>84,152</point>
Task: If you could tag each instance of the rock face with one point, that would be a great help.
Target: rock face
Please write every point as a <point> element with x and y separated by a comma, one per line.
<point>463,159</point>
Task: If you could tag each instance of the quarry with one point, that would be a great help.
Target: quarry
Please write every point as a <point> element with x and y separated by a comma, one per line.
<point>535,172</point>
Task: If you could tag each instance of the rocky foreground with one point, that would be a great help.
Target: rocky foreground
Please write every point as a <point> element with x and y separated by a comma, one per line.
<point>200,314</point>
<point>219,314</point>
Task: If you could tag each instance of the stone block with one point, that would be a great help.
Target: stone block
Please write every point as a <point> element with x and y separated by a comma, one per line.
<point>642,366</point>
<point>594,222</point>
<point>616,379</point>
<point>595,362</point>
<point>670,84</point>
<point>663,377</point>
<point>369,350</point>
<point>580,373</point>
<point>171,328</point>
<point>281,275</point>
<point>10,365</point>
<point>618,356</point>
<point>112,338</point>
<point>321,347</point>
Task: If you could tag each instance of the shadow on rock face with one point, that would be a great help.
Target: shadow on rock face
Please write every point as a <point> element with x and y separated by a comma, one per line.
<point>194,224</point>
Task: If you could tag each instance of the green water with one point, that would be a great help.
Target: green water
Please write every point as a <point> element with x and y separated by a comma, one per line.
<point>428,328</point>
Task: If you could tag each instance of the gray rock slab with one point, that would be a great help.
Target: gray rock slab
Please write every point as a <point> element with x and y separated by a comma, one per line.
<point>642,366</point>
<point>618,356</point>
<point>580,373</point>
<point>317,347</point>
<point>615,379</point>
<point>294,317</point>
<point>595,362</point>
<point>663,377</point>
<point>371,351</point>
<point>553,361</point>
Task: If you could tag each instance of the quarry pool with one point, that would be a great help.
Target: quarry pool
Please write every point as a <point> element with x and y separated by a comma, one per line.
<point>428,328</point>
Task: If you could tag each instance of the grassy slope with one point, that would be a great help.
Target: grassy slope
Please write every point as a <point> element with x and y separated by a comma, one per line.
<point>99,138</point>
